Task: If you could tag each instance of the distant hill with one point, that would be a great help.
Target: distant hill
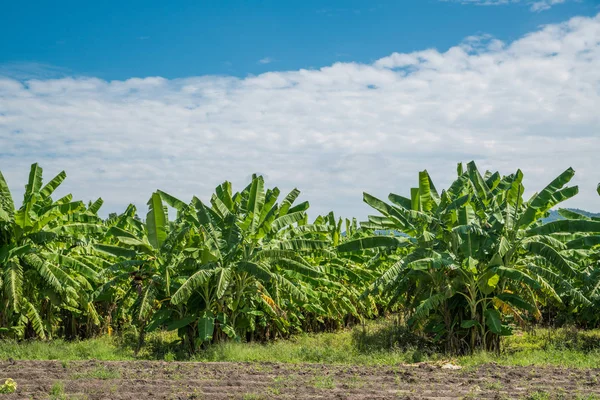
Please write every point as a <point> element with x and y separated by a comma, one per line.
<point>555,216</point>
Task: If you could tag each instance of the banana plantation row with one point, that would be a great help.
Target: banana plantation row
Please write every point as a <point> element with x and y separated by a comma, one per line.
<point>464,266</point>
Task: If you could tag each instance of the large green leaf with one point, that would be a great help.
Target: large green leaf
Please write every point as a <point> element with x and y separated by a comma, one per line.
<point>116,251</point>
<point>493,320</point>
<point>9,251</point>
<point>429,304</point>
<point>289,287</point>
<point>25,217</point>
<point>78,229</point>
<point>256,201</point>
<point>139,245</point>
<point>156,221</point>
<point>468,323</point>
<point>45,270</point>
<point>304,245</point>
<point>6,201</point>
<point>36,321</point>
<point>288,201</point>
<point>566,226</point>
<point>585,242</point>
<point>372,242</point>
<point>299,267</point>
<point>180,323</point>
<point>95,206</point>
<point>13,284</point>
<point>552,256</point>
<point>145,303</point>
<point>546,199</point>
<point>400,200</point>
<point>517,276</point>
<point>305,205</point>
<point>51,186</point>
<point>286,220</point>
<point>4,216</point>
<point>425,191</point>
<point>192,283</point>
<point>481,188</point>
<point>65,261</point>
<point>34,184</point>
<point>223,281</point>
<point>258,271</point>
<point>517,301</point>
<point>206,326</point>
<point>172,201</point>
<point>223,192</point>
<point>568,214</point>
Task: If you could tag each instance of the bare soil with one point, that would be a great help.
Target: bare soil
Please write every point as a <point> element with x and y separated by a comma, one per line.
<point>186,380</point>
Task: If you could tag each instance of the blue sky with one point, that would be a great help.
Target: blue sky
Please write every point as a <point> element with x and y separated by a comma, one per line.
<point>334,98</point>
<point>123,39</point>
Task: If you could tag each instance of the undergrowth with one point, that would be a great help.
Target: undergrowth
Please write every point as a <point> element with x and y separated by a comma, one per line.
<point>376,343</point>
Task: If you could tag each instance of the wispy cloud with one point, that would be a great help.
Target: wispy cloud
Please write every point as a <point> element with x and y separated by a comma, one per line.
<point>333,132</point>
<point>31,70</point>
<point>534,5</point>
<point>544,4</point>
<point>266,60</point>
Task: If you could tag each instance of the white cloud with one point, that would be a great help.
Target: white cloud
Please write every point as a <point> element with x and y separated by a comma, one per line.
<point>534,5</point>
<point>332,132</point>
<point>544,4</point>
<point>266,60</point>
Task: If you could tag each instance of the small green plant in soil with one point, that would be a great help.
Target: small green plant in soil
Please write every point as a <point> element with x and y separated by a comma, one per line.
<point>57,391</point>
<point>9,386</point>
<point>101,372</point>
<point>324,382</point>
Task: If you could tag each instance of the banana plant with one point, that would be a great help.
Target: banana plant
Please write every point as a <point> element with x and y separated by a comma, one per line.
<point>478,254</point>
<point>47,273</point>
<point>144,256</point>
<point>247,262</point>
<point>339,290</point>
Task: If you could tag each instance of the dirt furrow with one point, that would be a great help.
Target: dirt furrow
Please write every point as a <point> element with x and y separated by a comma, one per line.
<point>96,380</point>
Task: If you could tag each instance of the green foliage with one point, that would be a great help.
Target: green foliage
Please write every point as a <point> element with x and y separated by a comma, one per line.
<point>57,391</point>
<point>47,273</point>
<point>477,261</point>
<point>101,372</point>
<point>9,386</point>
<point>381,342</point>
<point>465,266</point>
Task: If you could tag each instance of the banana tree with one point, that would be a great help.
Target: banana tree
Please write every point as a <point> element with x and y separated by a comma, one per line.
<point>143,255</point>
<point>246,265</point>
<point>584,248</point>
<point>479,256</point>
<point>46,272</point>
<point>339,289</point>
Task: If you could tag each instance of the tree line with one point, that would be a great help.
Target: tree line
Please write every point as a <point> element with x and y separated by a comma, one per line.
<point>464,266</point>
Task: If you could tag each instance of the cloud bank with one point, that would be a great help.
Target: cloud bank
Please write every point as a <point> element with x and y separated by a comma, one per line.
<point>332,132</point>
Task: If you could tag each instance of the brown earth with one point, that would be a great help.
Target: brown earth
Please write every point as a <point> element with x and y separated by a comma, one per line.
<point>171,380</point>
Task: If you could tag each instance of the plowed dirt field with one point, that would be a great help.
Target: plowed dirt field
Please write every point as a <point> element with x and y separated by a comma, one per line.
<point>166,380</point>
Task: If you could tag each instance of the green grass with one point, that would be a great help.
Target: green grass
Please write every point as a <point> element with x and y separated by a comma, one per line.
<point>378,343</point>
<point>253,396</point>
<point>328,348</point>
<point>100,372</point>
<point>103,348</point>
<point>555,357</point>
<point>559,347</point>
<point>324,382</point>
<point>57,391</point>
